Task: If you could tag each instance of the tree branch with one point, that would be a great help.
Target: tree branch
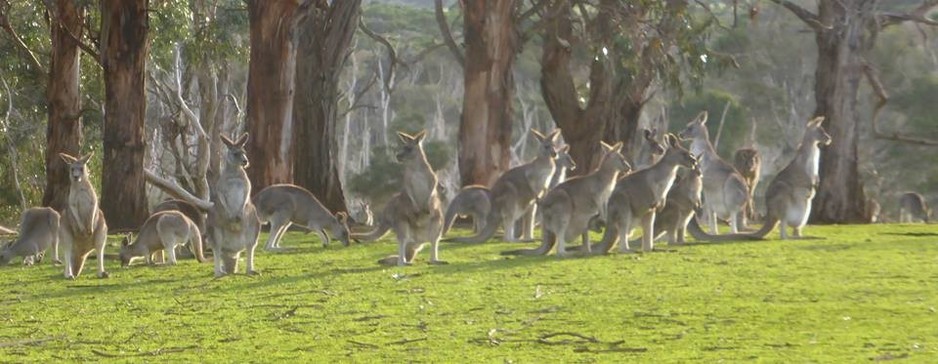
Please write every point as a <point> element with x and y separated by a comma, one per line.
<point>919,15</point>
<point>18,41</point>
<point>447,35</point>
<point>392,54</point>
<point>880,92</point>
<point>176,191</point>
<point>806,16</point>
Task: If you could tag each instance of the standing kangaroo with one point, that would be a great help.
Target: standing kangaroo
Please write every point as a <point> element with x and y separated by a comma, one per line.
<point>83,228</point>
<point>650,150</point>
<point>568,208</point>
<point>415,214</point>
<point>638,196</point>
<point>788,197</point>
<point>912,206</point>
<point>232,219</point>
<point>725,191</point>
<point>162,232</point>
<point>748,163</point>
<point>286,204</point>
<point>514,192</point>
<point>39,230</point>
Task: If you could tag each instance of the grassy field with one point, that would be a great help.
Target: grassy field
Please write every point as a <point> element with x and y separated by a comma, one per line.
<point>854,293</point>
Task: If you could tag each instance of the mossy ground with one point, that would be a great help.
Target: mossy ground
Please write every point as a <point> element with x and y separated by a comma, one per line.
<point>851,294</point>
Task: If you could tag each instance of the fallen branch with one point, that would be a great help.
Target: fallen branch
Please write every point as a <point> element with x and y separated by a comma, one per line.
<point>176,191</point>
<point>546,338</point>
<point>407,341</point>
<point>156,352</point>
<point>367,345</point>
<point>26,342</point>
<point>6,231</point>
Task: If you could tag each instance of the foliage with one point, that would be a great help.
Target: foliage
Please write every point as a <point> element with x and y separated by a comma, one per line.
<point>858,293</point>
<point>735,127</point>
<point>384,177</point>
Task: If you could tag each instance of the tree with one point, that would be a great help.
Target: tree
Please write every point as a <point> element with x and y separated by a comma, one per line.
<point>845,31</point>
<point>124,46</point>
<point>270,91</point>
<point>324,36</point>
<point>63,132</point>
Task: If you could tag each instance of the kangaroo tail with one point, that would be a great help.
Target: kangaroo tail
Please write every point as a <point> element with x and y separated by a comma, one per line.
<point>488,230</point>
<point>698,233</point>
<point>195,236</point>
<point>377,233</point>
<point>548,240</point>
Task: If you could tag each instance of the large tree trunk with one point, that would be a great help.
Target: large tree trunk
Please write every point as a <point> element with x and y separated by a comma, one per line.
<point>270,92</point>
<point>840,197</point>
<point>124,46</point>
<point>63,133</point>
<point>485,128</point>
<point>325,33</point>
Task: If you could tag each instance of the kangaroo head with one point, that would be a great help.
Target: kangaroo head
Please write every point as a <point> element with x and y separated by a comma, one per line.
<point>6,254</point>
<point>696,128</point>
<point>613,158</point>
<point>547,143</point>
<point>564,160</point>
<point>815,133</point>
<point>125,256</point>
<point>236,156</point>
<point>411,146</point>
<point>677,153</point>
<point>339,230</point>
<point>651,141</point>
<point>77,167</point>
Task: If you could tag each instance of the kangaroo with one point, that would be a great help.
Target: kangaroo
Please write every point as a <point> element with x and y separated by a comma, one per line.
<point>232,219</point>
<point>568,208</point>
<point>82,228</point>
<point>873,210</point>
<point>476,200</point>
<point>683,201</point>
<point>650,151</point>
<point>39,230</point>
<point>163,231</point>
<point>725,191</point>
<point>748,162</point>
<point>912,206</point>
<point>788,197</point>
<point>364,215</point>
<point>415,214</point>
<point>514,193</point>
<point>193,213</point>
<point>638,196</point>
<point>286,204</point>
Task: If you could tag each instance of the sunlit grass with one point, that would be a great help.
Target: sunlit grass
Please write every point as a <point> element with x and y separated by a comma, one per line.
<point>853,294</point>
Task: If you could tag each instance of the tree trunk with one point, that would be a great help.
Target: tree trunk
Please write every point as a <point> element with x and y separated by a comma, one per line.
<point>63,133</point>
<point>124,46</point>
<point>840,197</point>
<point>485,128</point>
<point>325,33</point>
<point>270,92</point>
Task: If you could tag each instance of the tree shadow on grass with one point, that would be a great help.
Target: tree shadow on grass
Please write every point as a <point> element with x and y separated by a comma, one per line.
<point>911,234</point>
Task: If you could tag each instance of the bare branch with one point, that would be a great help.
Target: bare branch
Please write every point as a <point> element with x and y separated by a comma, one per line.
<point>534,9</point>
<point>174,190</point>
<point>392,54</point>
<point>14,156</point>
<point>447,35</point>
<point>919,15</point>
<point>18,41</point>
<point>882,98</point>
<point>806,16</point>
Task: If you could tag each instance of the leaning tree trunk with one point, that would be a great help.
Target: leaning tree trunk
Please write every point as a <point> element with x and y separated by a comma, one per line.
<point>63,133</point>
<point>325,35</point>
<point>270,92</point>
<point>840,197</point>
<point>485,128</point>
<point>124,46</point>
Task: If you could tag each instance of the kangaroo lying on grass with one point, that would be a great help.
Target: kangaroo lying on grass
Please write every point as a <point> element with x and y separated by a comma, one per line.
<point>83,228</point>
<point>568,208</point>
<point>286,204</point>
<point>515,191</point>
<point>912,206</point>
<point>39,230</point>
<point>639,195</point>
<point>725,192</point>
<point>788,197</point>
<point>415,214</point>
<point>163,231</point>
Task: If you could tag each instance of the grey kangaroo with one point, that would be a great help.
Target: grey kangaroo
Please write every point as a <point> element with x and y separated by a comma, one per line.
<point>83,228</point>
<point>415,214</point>
<point>912,206</point>
<point>232,220</point>
<point>162,232</point>
<point>39,230</point>
<point>286,204</point>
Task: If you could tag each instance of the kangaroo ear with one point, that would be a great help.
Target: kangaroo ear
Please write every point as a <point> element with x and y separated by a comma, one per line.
<point>405,138</point>
<point>617,147</point>
<point>342,217</point>
<point>672,140</point>
<point>816,121</point>
<point>86,158</point>
<point>67,158</point>
<point>554,135</point>
<point>565,149</point>
<point>419,137</point>
<point>606,147</point>
<point>242,140</point>
<point>648,133</point>
<point>702,117</point>
<point>227,141</point>
<point>540,137</point>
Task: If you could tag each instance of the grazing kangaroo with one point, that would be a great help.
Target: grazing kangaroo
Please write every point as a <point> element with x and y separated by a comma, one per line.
<point>650,151</point>
<point>788,197</point>
<point>568,208</point>
<point>232,219</point>
<point>39,230</point>
<point>82,228</point>
<point>193,213</point>
<point>363,216</point>
<point>415,214</point>
<point>163,231</point>
<point>638,196</point>
<point>515,191</point>
<point>285,204</point>
<point>912,206</point>
<point>725,191</point>
<point>748,163</point>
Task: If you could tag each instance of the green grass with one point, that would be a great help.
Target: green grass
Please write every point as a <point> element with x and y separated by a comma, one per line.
<point>853,294</point>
